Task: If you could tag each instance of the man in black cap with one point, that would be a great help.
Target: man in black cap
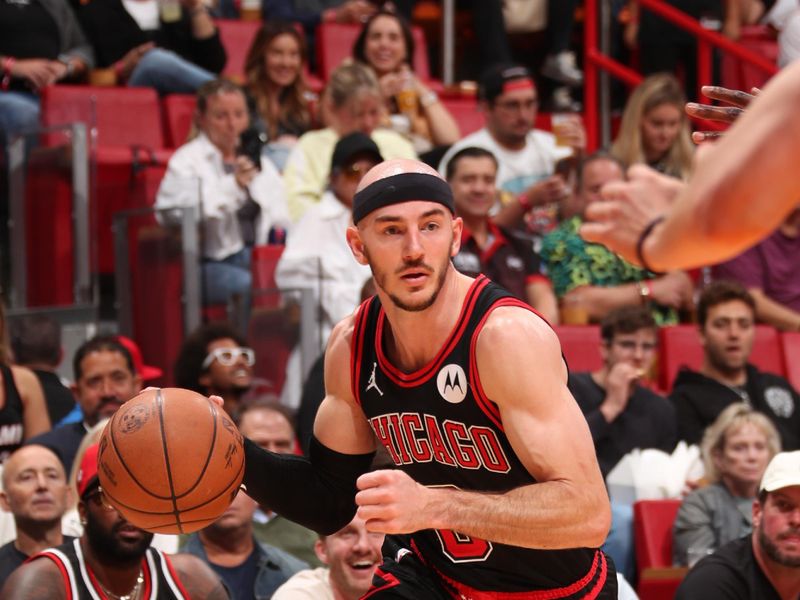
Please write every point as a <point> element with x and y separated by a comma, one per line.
<point>317,256</point>
<point>526,156</point>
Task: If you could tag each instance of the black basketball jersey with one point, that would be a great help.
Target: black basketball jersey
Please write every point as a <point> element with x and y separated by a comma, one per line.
<point>438,426</point>
<point>160,581</point>
<point>11,423</point>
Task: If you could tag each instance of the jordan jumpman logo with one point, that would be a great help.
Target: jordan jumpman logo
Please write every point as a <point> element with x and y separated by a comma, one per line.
<point>372,384</point>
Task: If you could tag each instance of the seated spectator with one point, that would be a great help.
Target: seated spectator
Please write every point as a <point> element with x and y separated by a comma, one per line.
<point>311,13</point>
<point>36,344</point>
<point>270,426</point>
<point>352,102</point>
<point>249,569</point>
<point>112,558</point>
<point>589,279</point>
<point>23,411</point>
<point>736,449</point>
<point>655,129</point>
<point>36,493</point>
<point>40,43</point>
<point>623,414</point>
<point>526,156</point>
<point>239,202</point>
<point>351,555</point>
<point>317,255</point>
<point>725,317</point>
<point>386,46</point>
<point>771,273</point>
<point>173,47</point>
<point>105,378</point>
<point>765,564</point>
<point>215,360</point>
<point>499,253</point>
<point>275,82</point>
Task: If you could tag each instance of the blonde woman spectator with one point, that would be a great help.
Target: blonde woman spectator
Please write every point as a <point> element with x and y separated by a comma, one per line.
<point>736,450</point>
<point>655,128</point>
<point>351,102</point>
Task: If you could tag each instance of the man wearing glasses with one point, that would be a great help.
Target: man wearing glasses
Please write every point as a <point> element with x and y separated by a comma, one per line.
<point>526,156</point>
<point>112,559</point>
<point>621,412</point>
<point>215,360</point>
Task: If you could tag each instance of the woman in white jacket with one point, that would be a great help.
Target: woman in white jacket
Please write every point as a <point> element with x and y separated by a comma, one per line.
<point>238,202</point>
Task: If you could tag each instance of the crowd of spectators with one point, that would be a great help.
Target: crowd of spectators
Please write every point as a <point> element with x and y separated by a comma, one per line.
<point>521,193</point>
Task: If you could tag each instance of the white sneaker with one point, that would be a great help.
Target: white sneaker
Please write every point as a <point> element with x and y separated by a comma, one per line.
<point>561,67</point>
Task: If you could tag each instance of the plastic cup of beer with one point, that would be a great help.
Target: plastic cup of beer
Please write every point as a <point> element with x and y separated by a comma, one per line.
<point>407,100</point>
<point>170,10</point>
<point>560,123</point>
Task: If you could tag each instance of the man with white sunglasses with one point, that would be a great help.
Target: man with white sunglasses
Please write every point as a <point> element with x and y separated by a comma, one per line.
<point>215,360</point>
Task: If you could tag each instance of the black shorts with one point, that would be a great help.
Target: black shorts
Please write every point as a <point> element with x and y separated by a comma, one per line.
<point>407,577</point>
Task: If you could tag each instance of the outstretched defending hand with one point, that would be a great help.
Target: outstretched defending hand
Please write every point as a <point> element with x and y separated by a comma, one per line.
<point>737,99</point>
<point>627,208</point>
<point>391,502</point>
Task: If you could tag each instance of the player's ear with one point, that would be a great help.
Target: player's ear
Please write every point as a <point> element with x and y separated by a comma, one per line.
<point>356,245</point>
<point>458,227</point>
<point>4,502</point>
<point>321,551</point>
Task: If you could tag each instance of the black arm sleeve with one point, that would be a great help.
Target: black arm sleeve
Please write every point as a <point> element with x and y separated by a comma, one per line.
<point>317,492</point>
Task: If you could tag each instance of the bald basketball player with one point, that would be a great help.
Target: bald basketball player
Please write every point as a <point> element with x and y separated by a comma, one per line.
<point>742,189</point>
<point>464,385</point>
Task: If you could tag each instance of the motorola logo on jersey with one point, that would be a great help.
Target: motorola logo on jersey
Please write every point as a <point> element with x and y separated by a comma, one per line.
<point>421,438</point>
<point>452,383</point>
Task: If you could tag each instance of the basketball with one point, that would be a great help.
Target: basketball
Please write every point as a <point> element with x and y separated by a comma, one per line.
<point>170,461</point>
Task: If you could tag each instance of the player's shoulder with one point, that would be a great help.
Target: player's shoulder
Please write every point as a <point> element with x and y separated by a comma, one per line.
<point>341,338</point>
<point>516,328</point>
<point>37,579</point>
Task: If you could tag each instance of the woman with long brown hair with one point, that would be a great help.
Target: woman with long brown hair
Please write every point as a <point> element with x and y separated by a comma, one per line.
<point>275,83</point>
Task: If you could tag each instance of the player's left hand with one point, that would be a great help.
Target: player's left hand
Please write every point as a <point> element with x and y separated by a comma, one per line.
<point>737,99</point>
<point>391,502</point>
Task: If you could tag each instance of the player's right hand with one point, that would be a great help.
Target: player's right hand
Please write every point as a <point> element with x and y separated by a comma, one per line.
<point>737,99</point>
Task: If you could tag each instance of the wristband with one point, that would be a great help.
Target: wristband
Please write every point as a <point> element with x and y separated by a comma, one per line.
<point>640,244</point>
<point>8,63</point>
<point>524,202</point>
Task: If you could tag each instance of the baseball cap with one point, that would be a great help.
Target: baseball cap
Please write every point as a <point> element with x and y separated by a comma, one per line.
<point>352,144</point>
<point>87,474</point>
<point>503,78</point>
<point>144,371</point>
<point>783,471</point>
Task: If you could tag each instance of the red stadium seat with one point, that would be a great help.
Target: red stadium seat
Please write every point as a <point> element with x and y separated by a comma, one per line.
<point>335,43</point>
<point>790,342</point>
<point>126,140</point>
<point>236,36</point>
<point>680,345</point>
<point>737,74</point>
<point>465,112</point>
<point>581,346</point>
<point>178,115</point>
<point>263,265</point>
<point>652,532</point>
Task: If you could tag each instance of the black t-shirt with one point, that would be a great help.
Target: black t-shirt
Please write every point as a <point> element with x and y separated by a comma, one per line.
<point>731,573</point>
<point>648,421</point>
<point>10,559</point>
<point>654,29</point>
<point>241,579</point>
<point>27,30</point>
<point>59,398</point>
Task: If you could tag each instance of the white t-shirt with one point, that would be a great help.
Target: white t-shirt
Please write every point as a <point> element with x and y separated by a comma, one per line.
<point>310,584</point>
<point>518,169</point>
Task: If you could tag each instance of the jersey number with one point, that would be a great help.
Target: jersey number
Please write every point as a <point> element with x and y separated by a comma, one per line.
<point>461,548</point>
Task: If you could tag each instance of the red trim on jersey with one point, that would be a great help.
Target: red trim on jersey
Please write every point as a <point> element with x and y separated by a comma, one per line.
<point>420,375</point>
<point>484,403</point>
<point>175,577</point>
<point>457,590</point>
<point>389,581</point>
<point>61,567</point>
<point>357,352</point>
<point>96,584</point>
<point>148,579</point>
